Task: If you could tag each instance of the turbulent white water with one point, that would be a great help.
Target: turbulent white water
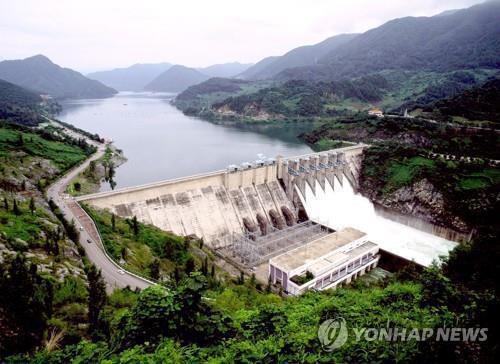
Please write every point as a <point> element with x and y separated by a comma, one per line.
<point>340,207</point>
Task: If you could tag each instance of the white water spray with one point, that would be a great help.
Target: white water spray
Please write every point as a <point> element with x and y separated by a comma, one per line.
<point>340,207</point>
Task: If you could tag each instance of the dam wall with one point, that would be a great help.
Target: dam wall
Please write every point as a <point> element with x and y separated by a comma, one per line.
<point>253,198</point>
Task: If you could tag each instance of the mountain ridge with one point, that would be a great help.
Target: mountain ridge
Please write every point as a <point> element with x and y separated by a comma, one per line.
<point>132,78</point>
<point>38,73</point>
<point>300,56</point>
<point>176,79</point>
<point>459,39</point>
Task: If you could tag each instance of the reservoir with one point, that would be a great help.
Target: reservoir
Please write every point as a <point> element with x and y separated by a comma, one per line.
<point>160,142</point>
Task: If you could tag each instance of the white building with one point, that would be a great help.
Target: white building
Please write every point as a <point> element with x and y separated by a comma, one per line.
<point>376,112</point>
<point>324,263</point>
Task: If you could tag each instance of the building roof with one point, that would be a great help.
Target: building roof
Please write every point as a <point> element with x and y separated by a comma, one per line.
<point>317,249</point>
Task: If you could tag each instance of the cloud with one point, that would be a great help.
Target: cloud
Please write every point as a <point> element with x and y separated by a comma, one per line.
<point>92,34</point>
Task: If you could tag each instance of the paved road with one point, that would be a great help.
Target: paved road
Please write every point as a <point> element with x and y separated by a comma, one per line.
<point>454,125</point>
<point>113,275</point>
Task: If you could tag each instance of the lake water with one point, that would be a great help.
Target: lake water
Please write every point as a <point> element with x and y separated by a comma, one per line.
<point>162,143</point>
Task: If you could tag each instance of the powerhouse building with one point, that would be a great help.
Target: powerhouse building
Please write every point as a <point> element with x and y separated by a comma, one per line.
<point>325,262</point>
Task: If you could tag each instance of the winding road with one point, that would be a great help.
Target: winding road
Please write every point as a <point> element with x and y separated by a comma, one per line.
<point>113,274</point>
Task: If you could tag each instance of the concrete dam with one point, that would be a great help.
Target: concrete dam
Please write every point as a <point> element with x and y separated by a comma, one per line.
<point>256,211</point>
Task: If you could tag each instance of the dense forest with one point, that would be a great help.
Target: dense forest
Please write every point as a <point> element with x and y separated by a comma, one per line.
<point>18,105</point>
<point>393,91</point>
<point>477,104</point>
<point>199,319</point>
<point>303,98</point>
<point>200,313</point>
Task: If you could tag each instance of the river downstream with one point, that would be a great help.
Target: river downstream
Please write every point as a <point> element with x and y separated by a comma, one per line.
<point>160,142</point>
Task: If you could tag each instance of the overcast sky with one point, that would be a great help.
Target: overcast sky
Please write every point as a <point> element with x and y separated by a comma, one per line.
<point>100,34</point>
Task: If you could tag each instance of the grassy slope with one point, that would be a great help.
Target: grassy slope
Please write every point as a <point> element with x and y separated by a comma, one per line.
<point>24,165</point>
<point>62,155</point>
<point>138,251</point>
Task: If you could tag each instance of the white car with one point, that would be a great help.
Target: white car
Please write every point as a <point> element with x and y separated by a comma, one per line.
<point>121,271</point>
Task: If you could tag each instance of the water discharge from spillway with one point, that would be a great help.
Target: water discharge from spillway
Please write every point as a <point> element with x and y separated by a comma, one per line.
<point>340,207</point>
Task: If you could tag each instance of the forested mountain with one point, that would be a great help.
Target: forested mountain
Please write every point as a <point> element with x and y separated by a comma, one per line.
<point>215,84</point>
<point>132,78</point>
<point>480,103</point>
<point>176,79</point>
<point>39,74</point>
<point>302,98</point>
<point>18,105</point>
<point>461,39</point>
<point>13,94</point>
<point>298,57</point>
<point>225,69</point>
<point>252,72</point>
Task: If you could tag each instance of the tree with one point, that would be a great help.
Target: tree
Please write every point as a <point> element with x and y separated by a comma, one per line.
<point>269,284</point>
<point>26,303</point>
<point>72,231</point>
<point>190,265</point>
<point>32,206</point>
<point>253,280</point>
<point>135,225</point>
<point>111,171</point>
<point>92,167</point>
<point>40,184</point>
<point>96,302</point>
<point>123,253</point>
<point>55,247</point>
<point>437,289</point>
<point>241,278</point>
<point>5,204</point>
<point>177,275</point>
<point>20,140</point>
<point>15,209</point>
<point>113,222</point>
<point>152,317</point>
<point>154,269</point>
<point>204,267</point>
<point>78,186</point>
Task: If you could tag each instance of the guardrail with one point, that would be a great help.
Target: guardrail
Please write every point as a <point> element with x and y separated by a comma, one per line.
<point>101,243</point>
<point>103,248</point>
<point>151,185</point>
<point>218,173</point>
